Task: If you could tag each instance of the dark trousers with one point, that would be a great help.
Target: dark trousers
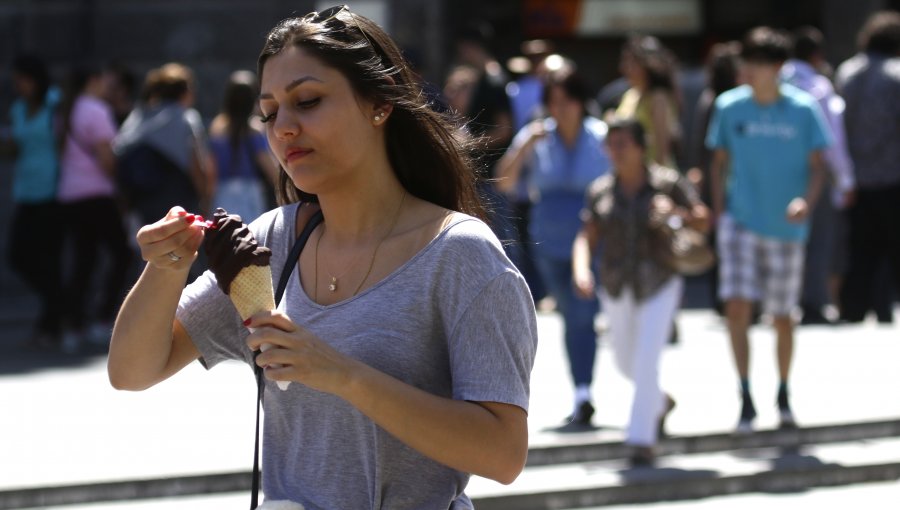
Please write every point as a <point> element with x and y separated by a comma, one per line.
<point>34,254</point>
<point>93,224</point>
<point>874,239</point>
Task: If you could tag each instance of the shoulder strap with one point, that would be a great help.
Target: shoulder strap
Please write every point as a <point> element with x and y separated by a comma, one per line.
<point>289,264</point>
<point>295,253</point>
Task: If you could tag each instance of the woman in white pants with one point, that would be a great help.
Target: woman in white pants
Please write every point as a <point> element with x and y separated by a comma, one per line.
<point>640,293</point>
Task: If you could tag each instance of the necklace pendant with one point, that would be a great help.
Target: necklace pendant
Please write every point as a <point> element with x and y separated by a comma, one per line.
<point>333,285</point>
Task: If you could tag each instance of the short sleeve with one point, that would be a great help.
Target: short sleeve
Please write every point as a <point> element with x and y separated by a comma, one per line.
<point>715,134</point>
<point>212,322</point>
<point>97,124</point>
<point>493,345</point>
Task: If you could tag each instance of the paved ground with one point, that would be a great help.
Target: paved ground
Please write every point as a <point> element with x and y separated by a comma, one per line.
<point>63,424</point>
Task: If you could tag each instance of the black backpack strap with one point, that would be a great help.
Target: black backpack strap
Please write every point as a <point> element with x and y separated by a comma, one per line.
<point>260,384</point>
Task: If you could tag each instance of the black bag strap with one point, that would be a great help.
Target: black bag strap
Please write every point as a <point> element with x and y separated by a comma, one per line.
<point>260,384</point>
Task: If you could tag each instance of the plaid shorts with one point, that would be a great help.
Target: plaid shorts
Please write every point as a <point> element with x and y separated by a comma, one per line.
<point>758,268</point>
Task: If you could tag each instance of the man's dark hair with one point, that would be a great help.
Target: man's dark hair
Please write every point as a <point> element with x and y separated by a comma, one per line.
<point>630,126</point>
<point>808,42</point>
<point>765,44</point>
<point>881,34</point>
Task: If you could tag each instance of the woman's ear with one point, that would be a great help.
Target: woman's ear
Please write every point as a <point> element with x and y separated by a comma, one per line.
<point>381,113</point>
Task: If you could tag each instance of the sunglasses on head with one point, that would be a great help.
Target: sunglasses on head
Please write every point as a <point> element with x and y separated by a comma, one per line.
<point>326,15</point>
<point>331,13</point>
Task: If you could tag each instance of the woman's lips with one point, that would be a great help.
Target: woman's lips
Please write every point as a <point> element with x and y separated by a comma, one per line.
<point>294,154</point>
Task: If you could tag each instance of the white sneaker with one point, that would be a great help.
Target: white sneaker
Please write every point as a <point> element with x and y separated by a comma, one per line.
<point>787,418</point>
<point>744,428</point>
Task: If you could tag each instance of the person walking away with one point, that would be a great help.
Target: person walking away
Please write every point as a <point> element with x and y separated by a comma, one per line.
<point>489,117</point>
<point>162,148</point>
<point>243,164</point>
<point>651,99</point>
<point>770,137</point>
<point>87,192</point>
<point>870,84</point>
<point>561,156</point>
<point>33,255</point>
<point>723,73</point>
<point>624,210</point>
<point>803,72</point>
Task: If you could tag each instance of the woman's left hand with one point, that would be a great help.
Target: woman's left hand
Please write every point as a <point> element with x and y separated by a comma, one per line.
<point>302,356</point>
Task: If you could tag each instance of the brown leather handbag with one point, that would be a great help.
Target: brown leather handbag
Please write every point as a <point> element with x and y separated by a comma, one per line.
<point>683,249</point>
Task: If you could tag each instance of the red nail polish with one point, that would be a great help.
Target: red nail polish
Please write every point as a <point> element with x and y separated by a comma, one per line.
<point>182,213</point>
<point>189,218</point>
<point>247,322</point>
<point>200,218</point>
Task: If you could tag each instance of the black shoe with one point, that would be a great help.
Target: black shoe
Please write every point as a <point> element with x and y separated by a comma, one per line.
<point>582,415</point>
<point>661,424</point>
<point>642,457</point>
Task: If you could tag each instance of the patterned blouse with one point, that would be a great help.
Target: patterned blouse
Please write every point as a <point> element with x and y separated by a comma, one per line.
<point>632,248</point>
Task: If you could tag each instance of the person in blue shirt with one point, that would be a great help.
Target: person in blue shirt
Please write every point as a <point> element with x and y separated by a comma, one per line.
<point>561,155</point>
<point>245,169</point>
<point>34,255</point>
<point>769,137</point>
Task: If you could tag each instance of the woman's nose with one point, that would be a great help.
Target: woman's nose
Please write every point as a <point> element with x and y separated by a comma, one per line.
<point>286,126</point>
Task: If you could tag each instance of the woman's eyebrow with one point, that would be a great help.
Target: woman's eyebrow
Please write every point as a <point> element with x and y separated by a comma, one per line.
<point>291,86</point>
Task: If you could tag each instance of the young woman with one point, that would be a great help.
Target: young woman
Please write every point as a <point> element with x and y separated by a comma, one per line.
<point>652,98</point>
<point>244,166</point>
<point>561,156</point>
<point>413,368</point>
<point>32,119</point>
<point>640,294</point>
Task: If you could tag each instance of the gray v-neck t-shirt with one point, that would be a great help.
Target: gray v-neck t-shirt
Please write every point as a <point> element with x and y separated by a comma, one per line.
<point>456,320</point>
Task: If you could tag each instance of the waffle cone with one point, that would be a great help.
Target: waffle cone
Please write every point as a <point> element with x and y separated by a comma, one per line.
<point>251,291</point>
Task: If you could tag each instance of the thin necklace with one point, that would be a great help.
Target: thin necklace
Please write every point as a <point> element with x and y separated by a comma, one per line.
<point>333,286</point>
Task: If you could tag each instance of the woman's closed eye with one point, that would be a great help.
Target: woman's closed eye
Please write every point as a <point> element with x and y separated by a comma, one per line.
<point>305,105</point>
<point>302,105</point>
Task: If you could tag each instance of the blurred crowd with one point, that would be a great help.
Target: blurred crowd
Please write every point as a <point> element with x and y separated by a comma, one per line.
<point>578,182</point>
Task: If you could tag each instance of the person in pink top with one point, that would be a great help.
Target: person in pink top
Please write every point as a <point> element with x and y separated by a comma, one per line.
<point>91,214</point>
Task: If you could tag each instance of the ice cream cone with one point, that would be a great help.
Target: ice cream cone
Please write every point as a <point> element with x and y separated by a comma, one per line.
<point>251,291</point>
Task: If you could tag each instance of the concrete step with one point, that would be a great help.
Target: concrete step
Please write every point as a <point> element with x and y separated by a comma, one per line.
<point>549,455</point>
<point>692,476</point>
<point>548,449</point>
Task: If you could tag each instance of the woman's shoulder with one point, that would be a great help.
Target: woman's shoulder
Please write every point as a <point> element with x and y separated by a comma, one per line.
<point>466,236</point>
<point>274,228</point>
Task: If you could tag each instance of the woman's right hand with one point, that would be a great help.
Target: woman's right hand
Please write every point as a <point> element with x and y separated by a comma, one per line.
<point>536,131</point>
<point>172,242</point>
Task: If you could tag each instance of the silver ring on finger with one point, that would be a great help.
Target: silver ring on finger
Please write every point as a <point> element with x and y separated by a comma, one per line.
<point>173,257</point>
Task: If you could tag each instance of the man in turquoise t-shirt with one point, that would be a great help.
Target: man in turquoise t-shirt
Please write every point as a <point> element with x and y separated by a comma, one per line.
<point>769,137</point>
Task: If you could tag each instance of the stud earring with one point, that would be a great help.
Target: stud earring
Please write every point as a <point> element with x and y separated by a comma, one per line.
<point>379,116</point>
